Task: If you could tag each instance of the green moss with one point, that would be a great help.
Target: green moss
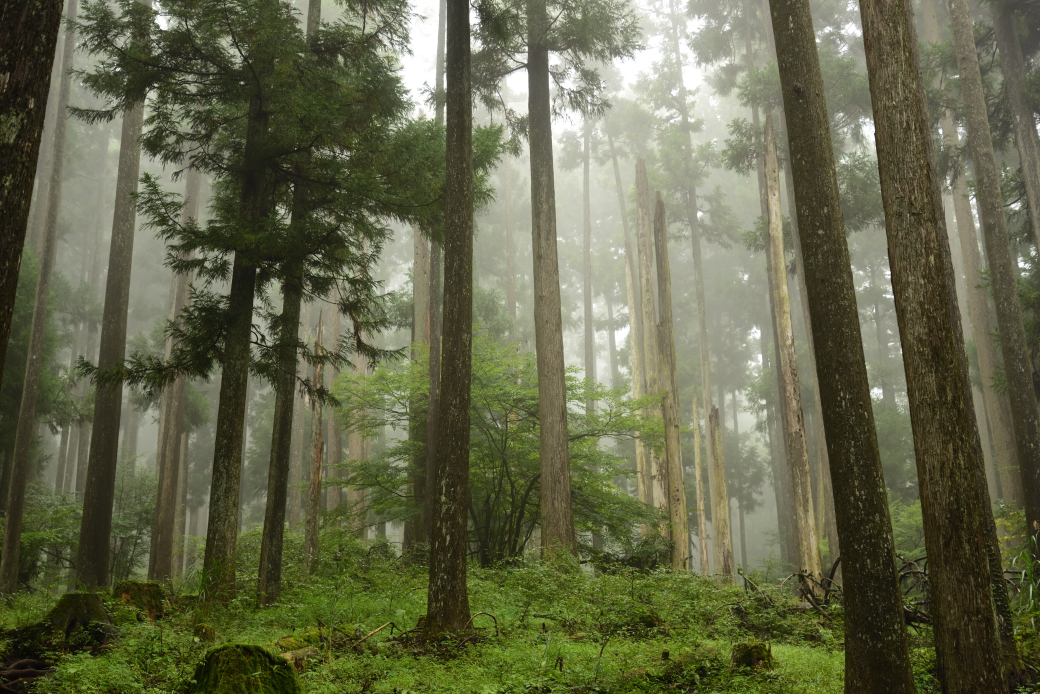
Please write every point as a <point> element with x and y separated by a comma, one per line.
<point>244,669</point>
<point>147,596</point>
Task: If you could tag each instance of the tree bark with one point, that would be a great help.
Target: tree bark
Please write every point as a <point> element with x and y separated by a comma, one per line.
<point>945,443</point>
<point>414,528</point>
<point>586,265</point>
<point>182,508</point>
<point>1003,278</point>
<point>357,449</point>
<point>675,490</point>
<point>877,657</point>
<point>651,367</point>
<point>171,418</point>
<point>507,175</point>
<point>557,522</point>
<point>448,599</point>
<point>311,539</point>
<point>26,426</point>
<point>722,542</point>
<point>794,429</point>
<point>28,34</point>
<point>635,330</point>
<point>702,522</point>
<point>334,495</point>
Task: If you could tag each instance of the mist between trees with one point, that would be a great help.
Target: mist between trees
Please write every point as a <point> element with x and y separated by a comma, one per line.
<point>745,289</point>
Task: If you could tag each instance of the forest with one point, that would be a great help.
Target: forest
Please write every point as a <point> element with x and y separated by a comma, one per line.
<point>519,346</point>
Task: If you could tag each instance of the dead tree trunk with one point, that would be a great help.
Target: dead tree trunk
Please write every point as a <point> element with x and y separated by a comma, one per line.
<point>675,488</point>
<point>945,443</point>
<point>794,434</point>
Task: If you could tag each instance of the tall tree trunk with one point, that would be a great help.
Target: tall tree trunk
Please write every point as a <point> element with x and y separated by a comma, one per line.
<point>256,203</point>
<point>557,521</point>
<point>28,33</point>
<point>436,294</point>
<point>334,495</point>
<point>182,508</point>
<point>878,658</point>
<point>794,434</point>
<point>586,264</point>
<point>507,175</point>
<point>722,542</point>
<point>635,330</point>
<point>675,489</point>
<point>36,229</point>
<point>171,417</point>
<point>645,242</point>
<point>63,455</point>
<point>447,606</point>
<point>311,535</point>
<point>357,449</point>
<point>26,426</point>
<point>414,528</point>
<point>1003,278</point>
<point>945,442</point>
<point>1013,69</point>
<point>998,407</point>
<point>615,375</point>
<point>702,522</point>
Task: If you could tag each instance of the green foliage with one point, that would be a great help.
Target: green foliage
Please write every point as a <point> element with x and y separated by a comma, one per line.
<point>504,447</point>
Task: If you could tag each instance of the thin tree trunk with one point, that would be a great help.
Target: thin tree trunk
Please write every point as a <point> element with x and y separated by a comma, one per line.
<point>675,489</point>
<point>615,375</point>
<point>702,522</point>
<point>63,456</point>
<point>635,331</point>
<point>29,34</point>
<point>998,407</point>
<point>945,443</point>
<point>1013,70</point>
<point>436,295</point>
<point>645,242</point>
<point>311,535</point>
<point>171,417</point>
<point>797,455</point>
<point>414,528</point>
<point>448,599</point>
<point>294,499</point>
<point>36,230</point>
<point>182,508</point>
<point>723,543</point>
<point>507,175</point>
<point>557,522</point>
<point>1003,277</point>
<point>222,524</point>
<point>334,448</point>
<point>586,265</point>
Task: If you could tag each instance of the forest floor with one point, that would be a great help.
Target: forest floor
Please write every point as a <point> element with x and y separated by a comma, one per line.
<point>539,630</point>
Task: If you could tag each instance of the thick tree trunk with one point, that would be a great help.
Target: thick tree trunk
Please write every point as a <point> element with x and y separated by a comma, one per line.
<point>1003,277</point>
<point>557,522</point>
<point>26,426</point>
<point>675,489</point>
<point>635,331</point>
<point>222,524</point>
<point>28,35</point>
<point>311,540</point>
<point>171,416</point>
<point>448,599</point>
<point>586,265</point>
<point>1013,69</point>
<point>877,658</point>
<point>722,541</point>
<point>794,434</point>
<point>945,443</point>
<point>648,329</point>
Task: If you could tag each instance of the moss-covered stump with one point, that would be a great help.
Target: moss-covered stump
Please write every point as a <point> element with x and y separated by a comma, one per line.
<point>753,655</point>
<point>78,622</point>
<point>146,596</point>
<point>243,669</point>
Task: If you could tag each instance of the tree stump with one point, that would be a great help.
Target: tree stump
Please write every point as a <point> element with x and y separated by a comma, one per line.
<point>753,655</point>
<point>244,669</point>
<point>147,596</point>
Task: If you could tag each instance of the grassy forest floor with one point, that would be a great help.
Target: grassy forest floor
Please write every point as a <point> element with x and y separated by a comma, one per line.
<point>557,631</point>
